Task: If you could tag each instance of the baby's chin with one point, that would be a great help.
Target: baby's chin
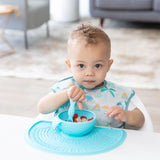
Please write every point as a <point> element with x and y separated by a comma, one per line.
<point>89,86</point>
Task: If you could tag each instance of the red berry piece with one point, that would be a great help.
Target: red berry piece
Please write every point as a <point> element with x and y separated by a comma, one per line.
<point>75,115</point>
<point>90,119</point>
<point>74,120</point>
<point>83,117</point>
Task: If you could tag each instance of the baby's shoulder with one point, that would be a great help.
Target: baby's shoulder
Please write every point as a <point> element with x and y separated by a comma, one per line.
<point>119,88</point>
<point>63,84</point>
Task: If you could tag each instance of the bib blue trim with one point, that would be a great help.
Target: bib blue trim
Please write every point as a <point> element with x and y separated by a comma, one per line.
<point>129,99</point>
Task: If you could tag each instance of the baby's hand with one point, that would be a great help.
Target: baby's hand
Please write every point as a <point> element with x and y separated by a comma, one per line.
<point>76,94</point>
<point>117,112</point>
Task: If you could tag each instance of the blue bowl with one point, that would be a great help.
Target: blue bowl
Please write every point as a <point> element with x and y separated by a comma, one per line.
<point>73,128</point>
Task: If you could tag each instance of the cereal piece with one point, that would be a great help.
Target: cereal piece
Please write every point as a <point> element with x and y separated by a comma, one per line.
<point>84,120</point>
<point>78,119</point>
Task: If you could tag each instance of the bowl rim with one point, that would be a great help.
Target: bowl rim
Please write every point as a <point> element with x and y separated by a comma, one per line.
<point>94,116</point>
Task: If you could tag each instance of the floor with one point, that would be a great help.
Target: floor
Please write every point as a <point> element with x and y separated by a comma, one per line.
<point>20,96</point>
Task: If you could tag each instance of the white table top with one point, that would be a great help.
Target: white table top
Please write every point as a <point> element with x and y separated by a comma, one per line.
<point>138,144</point>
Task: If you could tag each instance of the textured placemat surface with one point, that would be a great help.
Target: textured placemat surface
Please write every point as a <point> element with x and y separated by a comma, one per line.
<point>42,136</point>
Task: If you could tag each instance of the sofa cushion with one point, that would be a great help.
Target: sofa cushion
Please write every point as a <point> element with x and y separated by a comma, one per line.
<point>124,4</point>
<point>156,5</point>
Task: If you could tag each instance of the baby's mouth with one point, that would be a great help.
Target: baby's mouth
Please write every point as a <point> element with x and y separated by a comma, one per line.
<point>89,81</point>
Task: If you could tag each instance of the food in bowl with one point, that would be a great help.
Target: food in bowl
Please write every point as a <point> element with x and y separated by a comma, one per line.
<point>76,118</point>
<point>72,128</point>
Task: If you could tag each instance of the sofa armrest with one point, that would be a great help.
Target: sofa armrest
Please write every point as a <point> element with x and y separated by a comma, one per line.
<point>156,5</point>
<point>92,7</point>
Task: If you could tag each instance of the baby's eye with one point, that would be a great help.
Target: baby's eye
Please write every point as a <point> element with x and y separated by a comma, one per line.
<point>98,66</point>
<point>81,65</point>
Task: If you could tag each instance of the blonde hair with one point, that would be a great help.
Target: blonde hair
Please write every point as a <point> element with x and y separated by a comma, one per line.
<point>91,35</point>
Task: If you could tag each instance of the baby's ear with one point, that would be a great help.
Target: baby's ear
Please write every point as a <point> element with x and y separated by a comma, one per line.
<point>109,64</point>
<point>68,63</point>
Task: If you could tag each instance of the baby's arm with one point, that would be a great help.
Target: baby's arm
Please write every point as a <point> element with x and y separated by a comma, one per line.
<point>133,118</point>
<point>53,101</point>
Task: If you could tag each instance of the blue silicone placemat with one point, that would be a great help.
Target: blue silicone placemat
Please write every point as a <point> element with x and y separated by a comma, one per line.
<point>42,136</point>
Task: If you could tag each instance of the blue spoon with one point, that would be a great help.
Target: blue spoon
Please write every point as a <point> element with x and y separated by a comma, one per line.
<point>71,110</point>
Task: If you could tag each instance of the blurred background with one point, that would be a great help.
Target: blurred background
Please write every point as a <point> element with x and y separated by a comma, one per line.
<point>33,36</point>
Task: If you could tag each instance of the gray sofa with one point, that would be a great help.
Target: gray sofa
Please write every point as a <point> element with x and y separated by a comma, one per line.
<point>129,10</point>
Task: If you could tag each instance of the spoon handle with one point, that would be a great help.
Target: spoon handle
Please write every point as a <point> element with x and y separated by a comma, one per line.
<point>71,110</point>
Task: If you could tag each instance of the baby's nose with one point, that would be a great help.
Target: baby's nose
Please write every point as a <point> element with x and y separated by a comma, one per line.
<point>90,72</point>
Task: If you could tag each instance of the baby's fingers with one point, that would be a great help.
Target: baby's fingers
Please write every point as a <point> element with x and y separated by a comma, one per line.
<point>121,116</point>
<point>118,116</point>
<point>82,97</point>
<point>109,112</point>
<point>78,97</point>
<point>75,92</point>
<point>113,111</point>
<point>80,105</point>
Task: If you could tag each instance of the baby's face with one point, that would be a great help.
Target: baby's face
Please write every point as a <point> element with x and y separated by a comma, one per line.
<point>89,64</point>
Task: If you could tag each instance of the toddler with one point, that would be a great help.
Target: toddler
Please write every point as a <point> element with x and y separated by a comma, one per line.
<point>89,60</point>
